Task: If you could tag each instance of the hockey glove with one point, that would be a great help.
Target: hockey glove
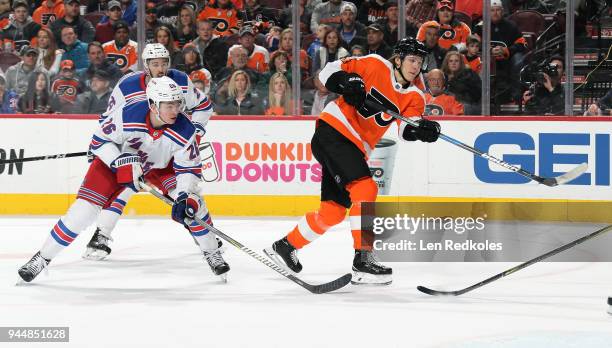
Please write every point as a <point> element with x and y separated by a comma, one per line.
<point>427,131</point>
<point>353,90</point>
<point>128,170</point>
<point>185,206</point>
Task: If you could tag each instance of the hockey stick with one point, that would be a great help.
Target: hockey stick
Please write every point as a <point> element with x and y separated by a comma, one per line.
<point>516,268</point>
<point>315,289</point>
<point>554,181</point>
<point>41,158</point>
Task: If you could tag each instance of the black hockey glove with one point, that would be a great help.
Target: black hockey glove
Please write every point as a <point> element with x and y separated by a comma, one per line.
<point>353,90</point>
<point>427,131</point>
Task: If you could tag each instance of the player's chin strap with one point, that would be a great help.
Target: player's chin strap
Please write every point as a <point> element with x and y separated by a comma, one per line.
<point>402,75</point>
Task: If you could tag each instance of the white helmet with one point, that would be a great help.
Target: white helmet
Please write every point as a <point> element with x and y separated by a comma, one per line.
<point>152,51</point>
<point>164,89</point>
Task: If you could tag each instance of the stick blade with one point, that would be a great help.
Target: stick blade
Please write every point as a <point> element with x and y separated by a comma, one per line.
<point>331,286</point>
<point>432,292</point>
<point>567,177</point>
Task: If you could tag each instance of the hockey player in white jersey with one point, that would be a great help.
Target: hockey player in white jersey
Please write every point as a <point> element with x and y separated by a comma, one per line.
<point>131,89</point>
<point>151,140</point>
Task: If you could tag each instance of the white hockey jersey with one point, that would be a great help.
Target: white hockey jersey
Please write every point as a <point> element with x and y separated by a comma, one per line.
<point>128,130</point>
<point>132,89</point>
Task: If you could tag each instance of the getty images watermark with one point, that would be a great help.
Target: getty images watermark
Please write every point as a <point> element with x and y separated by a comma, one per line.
<point>484,231</point>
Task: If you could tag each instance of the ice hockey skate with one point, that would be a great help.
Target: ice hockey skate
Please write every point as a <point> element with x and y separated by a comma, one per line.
<point>217,263</point>
<point>368,271</point>
<point>32,268</point>
<point>97,248</point>
<point>285,255</point>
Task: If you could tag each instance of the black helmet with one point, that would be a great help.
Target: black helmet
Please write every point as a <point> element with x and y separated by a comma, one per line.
<point>409,45</point>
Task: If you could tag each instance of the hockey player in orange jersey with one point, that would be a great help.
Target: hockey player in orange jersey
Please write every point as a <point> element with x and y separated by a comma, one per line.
<point>345,134</point>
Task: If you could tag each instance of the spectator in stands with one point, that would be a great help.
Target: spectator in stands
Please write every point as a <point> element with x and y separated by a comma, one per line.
<point>279,62</point>
<point>331,50</point>
<point>286,45</point>
<point>327,13</point>
<point>260,17</point>
<point>225,15</point>
<point>390,23</point>
<point>64,89</point>
<point>151,22</point>
<point>36,100</point>
<point>21,28</point>
<point>201,79</point>
<point>258,57</point>
<point>83,28</point>
<point>99,62</point>
<point>279,96</point>
<point>372,11</point>
<point>376,43</point>
<point>129,12</point>
<point>548,96</point>
<point>239,99</point>
<point>192,59</point>
<point>286,17</point>
<point>163,35</point>
<point>239,58</point>
<point>357,51</point>
<point>168,12</point>
<point>352,32</point>
<point>96,6</point>
<point>122,51</point>
<point>212,48</point>
<point>95,101</point>
<point>74,49</point>
<point>463,83</point>
<point>186,29</point>
<point>5,12</point>
<point>48,12</point>
<point>473,8</point>
<point>105,31</point>
<point>8,98</point>
<point>602,107</point>
<point>419,12</point>
<point>508,51</point>
<point>436,54</point>
<point>316,43</point>
<point>17,76</point>
<point>273,38</point>
<point>472,57</point>
<point>49,56</point>
<point>452,31</point>
<point>322,97</point>
<point>437,101</point>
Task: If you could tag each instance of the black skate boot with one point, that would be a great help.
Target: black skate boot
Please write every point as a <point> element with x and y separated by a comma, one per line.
<point>97,248</point>
<point>216,263</point>
<point>32,268</point>
<point>284,254</point>
<point>367,270</point>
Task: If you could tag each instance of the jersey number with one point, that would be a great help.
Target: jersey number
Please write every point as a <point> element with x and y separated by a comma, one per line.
<point>381,119</point>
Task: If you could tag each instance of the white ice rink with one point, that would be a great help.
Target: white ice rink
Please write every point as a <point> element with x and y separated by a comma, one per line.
<point>155,291</point>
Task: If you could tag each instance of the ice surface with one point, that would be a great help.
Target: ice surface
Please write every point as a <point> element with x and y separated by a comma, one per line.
<point>155,291</point>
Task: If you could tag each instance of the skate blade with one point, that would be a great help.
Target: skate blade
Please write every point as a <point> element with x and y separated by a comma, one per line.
<point>278,260</point>
<point>360,278</point>
<point>94,255</point>
<point>223,278</point>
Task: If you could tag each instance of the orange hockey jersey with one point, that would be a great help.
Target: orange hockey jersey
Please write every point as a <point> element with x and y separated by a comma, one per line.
<point>449,35</point>
<point>475,63</point>
<point>366,127</point>
<point>126,58</point>
<point>443,104</point>
<point>225,19</point>
<point>44,15</point>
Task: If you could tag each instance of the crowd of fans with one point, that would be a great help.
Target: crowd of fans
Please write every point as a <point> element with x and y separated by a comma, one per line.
<point>71,53</point>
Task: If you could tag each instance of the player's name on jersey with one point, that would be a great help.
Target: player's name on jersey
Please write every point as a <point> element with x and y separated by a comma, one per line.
<point>445,245</point>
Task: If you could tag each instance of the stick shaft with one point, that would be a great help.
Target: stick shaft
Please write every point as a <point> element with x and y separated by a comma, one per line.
<point>42,158</point>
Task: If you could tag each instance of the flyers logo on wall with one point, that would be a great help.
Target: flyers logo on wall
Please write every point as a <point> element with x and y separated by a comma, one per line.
<point>281,162</point>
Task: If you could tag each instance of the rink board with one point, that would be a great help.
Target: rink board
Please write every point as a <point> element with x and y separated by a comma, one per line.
<point>264,166</point>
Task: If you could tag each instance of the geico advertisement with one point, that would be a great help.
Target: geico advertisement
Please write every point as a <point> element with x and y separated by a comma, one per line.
<point>547,149</point>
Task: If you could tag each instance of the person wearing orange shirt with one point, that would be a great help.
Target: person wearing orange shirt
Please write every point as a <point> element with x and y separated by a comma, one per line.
<point>452,31</point>
<point>49,11</point>
<point>346,132</point>
<point>472,57</point>
<point>259,58</point>
<point>438,101</point>
<point>122,51</point>
<point>225,16</point>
